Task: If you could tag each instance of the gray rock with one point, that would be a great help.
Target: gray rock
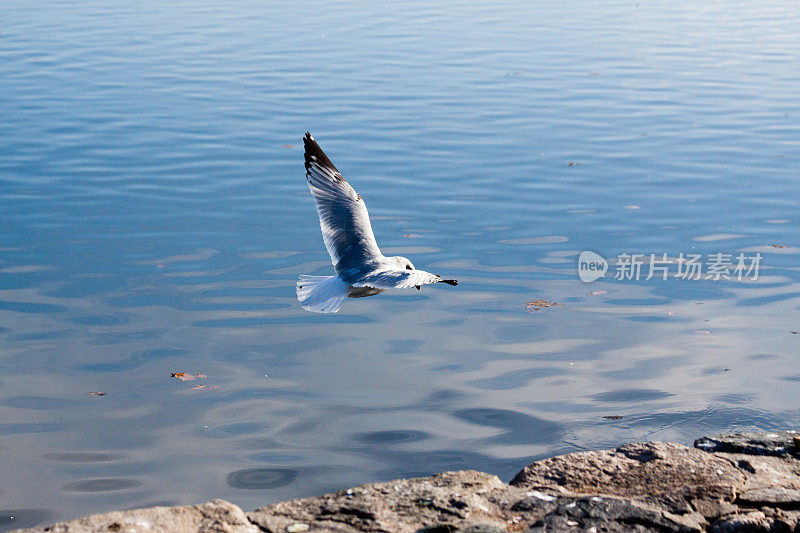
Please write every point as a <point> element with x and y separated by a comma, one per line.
<point>214,516</point>
<point>776,443</point>
<point>482,528</point>
<point>777,496</point>
<point>755,522</point>
<point>440,503</point>
<point>597,513</point>
<point>653,469</point>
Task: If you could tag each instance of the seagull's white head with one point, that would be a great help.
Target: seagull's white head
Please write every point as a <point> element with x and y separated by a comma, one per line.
<point>402,262</point>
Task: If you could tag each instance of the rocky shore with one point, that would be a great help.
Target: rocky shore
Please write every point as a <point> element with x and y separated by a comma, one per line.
<point>741,482</point>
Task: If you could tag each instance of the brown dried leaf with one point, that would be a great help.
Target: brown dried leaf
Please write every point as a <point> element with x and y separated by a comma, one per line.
<point>536,305</point>
<point>572,163</point>
<point>778,245</point>
<point>184,376</point>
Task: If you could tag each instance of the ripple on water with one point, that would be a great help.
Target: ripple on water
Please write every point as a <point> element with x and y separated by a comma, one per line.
<point>102,485</point>
<point>520,428</point>
<point>389,437</point>
<point>262,478</point>
<point>83,457</point>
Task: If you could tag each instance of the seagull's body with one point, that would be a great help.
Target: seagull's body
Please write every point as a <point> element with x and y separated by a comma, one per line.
<point>361,268</point>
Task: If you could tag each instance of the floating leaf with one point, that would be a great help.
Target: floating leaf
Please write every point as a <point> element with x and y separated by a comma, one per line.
<point>597,293</point>
<point>97,394</point>
<point>795,332</point>
<point>572,163</point>
<point>536,305</point>
<point>778,245</point>
<point>612,417</point>
<point>184,376</point>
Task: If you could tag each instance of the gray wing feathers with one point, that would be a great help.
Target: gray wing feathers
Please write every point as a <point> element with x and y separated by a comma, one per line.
<point>343,217</point>
<point>397,279</point>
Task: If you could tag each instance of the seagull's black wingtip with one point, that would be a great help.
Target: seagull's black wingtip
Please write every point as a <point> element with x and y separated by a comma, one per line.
<point>452,282</point>
<point>312,150</point>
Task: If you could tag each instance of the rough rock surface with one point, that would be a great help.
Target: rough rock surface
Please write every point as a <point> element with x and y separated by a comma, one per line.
<point>729,483</point>
<point>216,515</point>
<point>778,443</point>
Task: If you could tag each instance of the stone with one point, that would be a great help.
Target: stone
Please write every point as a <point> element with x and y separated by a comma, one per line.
<point>634,470</point>
<point>777,496</point>
<point>444,502</point>
<point>214,516</point>
<point>755,522</point>
<point>597,513</point>
<point>776,443</point>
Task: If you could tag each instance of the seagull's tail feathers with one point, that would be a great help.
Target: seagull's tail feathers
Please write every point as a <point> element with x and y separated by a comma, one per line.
<point>321,294</point>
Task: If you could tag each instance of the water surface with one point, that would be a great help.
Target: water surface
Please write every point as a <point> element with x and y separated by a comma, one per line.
<point>154,219</point>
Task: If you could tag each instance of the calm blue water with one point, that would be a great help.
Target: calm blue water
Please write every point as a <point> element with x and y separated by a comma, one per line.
<point>154,218</point>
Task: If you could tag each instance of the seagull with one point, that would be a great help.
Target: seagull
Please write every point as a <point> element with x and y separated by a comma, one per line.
<point>361,268</point>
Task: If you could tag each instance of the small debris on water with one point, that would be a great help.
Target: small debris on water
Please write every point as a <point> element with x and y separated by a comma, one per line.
<point>613,417</point>
<point>597,293</point>
<point>185,376</point>
<point>205,387</point>
<point>536,305</point>
<point>97,394</point>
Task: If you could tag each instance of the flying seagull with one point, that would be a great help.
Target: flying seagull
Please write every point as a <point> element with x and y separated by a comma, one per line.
<point>361,268</point>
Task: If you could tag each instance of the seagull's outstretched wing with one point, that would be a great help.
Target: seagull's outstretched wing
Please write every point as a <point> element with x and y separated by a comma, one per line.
<point>342,214</point>
<point>399,279</point>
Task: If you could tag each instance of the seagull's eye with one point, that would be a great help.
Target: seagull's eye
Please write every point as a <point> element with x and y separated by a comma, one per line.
<point>409,267</point>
